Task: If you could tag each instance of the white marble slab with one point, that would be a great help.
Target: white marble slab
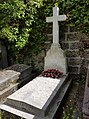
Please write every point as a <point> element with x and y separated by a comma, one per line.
<point>51,112</point>
<point>7,77</point>
<point>36,96</point>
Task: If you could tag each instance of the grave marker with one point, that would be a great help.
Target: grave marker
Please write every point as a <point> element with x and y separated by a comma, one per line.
<point>39,99</point>
<point>55,58</point>
<point>56,17</point>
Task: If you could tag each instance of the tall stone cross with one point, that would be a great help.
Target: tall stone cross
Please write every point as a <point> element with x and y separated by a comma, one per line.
<point>55,18</point>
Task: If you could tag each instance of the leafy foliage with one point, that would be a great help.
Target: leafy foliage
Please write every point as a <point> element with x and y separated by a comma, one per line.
<point>77,12</point>
<point>16,21</point>
<point>22,22</point>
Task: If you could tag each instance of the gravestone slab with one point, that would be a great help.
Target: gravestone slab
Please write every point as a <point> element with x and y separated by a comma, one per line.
<point>55,59</point>
<point>53,108</point>
<point>37,96</point>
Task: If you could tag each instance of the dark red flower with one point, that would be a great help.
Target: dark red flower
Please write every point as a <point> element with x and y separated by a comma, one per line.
<point>53,73</point>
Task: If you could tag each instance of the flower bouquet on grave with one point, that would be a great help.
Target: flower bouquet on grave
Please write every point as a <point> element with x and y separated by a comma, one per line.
<point>52,73</point>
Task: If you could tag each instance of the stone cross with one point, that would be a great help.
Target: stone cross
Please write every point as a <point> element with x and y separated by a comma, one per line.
<point>55,18</point>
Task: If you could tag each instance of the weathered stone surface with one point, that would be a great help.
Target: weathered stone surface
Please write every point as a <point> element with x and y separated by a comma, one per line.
<point>55,59</point>
<point>83,70</point>
<point>74,45</point>
<point>65,45</point>
<point>50,37</point>
<point>86,53</point>
<point>39,60</point>
<point>84,37</point>
<point>55,19</point>
<point>86,97</point>
<point>86,61</point>
<point>37,96</point>
<point>74,69</point>
<point>53,109</point>
<point>7,91</point>
<point>24,70</point>
<point>72,37</point>
<point>8,83</point>
<point>86,44</point>
<point>72,53</point>
<point>81,53</point>
<point>74,61</point>
<point>7,77</point>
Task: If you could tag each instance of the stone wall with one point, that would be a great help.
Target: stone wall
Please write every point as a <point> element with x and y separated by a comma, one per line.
<point>38,59</point>
<point>74,44</point>
<point>76,49</point>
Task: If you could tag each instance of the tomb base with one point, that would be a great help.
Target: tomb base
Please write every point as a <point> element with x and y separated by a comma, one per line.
<point>55,99</point>
<point>8,83</point>
<point>86,98</point>
<point>55,59</point>
<point>12,78</point>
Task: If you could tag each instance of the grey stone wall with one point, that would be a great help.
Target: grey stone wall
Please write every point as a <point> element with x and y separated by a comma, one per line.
<point>76,48</point>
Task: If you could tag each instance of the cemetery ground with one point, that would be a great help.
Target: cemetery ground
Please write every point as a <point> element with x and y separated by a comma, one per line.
<point>72,104</point>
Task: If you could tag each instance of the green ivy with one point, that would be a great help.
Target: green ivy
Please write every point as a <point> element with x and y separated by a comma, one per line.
<point>77,12</point>
<point>23,24</point>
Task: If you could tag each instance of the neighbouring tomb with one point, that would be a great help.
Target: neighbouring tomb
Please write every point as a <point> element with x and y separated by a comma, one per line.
<point>3,55</point>
<point>13,78</point>
<point>39,99</point>
<point>86,98</point>
<point>55,58</point>
<point>25,72</point>
<point>8,83</point>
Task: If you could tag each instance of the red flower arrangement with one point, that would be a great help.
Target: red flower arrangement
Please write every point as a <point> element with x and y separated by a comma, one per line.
<point>52,73</point>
